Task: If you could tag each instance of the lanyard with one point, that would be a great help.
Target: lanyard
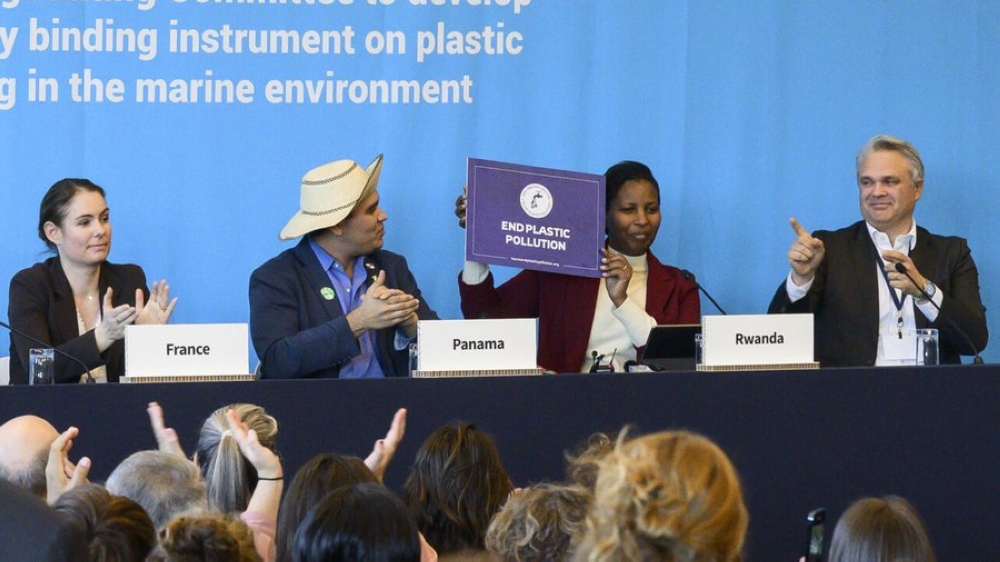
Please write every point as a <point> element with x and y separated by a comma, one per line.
<point>896,300</point>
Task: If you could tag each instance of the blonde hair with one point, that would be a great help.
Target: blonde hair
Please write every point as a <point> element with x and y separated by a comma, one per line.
<point>671,496</point>
<point>229,477</point>
<point>538,523</point>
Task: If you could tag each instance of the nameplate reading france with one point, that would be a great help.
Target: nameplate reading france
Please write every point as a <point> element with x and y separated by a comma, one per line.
<point>186,349</point>
<point>535,218</point>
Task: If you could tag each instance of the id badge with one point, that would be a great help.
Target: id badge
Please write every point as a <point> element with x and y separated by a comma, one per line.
<point>900,348</point>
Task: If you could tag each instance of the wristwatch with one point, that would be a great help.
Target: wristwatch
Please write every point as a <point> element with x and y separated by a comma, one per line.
<point>929,290</point>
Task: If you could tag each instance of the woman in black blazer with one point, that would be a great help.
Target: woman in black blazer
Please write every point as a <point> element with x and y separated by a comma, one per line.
<point>77,301</point>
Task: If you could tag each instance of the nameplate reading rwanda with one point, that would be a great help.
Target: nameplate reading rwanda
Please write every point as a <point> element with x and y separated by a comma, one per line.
<point>535,218</point>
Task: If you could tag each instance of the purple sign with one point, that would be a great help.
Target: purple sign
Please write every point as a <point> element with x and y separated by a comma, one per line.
<point>535,218</point>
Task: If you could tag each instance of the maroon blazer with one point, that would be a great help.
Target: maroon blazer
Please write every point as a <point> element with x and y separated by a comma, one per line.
<point>564,305</point>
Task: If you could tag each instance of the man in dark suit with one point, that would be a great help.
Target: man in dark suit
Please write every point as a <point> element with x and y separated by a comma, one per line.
<point>336,305</point>
<point>866,311</point>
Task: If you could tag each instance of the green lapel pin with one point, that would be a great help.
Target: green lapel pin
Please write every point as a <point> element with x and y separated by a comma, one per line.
<point>328,293</point>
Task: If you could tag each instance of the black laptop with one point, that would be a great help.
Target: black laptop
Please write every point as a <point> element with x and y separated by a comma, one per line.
<point>671,347</point>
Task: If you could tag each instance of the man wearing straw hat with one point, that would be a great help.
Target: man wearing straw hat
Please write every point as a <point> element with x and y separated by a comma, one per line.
<point>336,305</point>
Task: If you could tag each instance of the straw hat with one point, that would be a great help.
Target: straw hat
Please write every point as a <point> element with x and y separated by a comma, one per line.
<point>329,193</point>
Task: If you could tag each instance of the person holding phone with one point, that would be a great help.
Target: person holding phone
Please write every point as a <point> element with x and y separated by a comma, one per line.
<point>581,318</point>
<point>77,300</point>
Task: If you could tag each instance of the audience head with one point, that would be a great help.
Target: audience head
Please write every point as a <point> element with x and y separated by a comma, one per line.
<point>24,450</point>
<point>229,476</point>
<point>34,531</point>
<point>360,522</point>
<point>538,523</point>
<point>667,496</point>
<point>881,530</point>
<point>323,474</point>
<point>56,202</point>
<point>117,529</point>
<point>583,463</point>
<point>456,485</point>
<point>163,483</point>
<point>207,535</point>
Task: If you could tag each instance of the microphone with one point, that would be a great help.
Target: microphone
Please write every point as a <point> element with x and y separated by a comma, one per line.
<point>46,345</point>
<point>977,360</point>
<point>690,277</point>
<point>596,366</point>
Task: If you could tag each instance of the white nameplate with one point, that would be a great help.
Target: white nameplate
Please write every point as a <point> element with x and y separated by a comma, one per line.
<point>457,345</point>
<point>186,350</point>
<point>757,339</point>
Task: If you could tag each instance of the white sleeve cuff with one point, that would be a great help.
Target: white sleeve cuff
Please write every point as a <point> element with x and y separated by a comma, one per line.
<point>474,273</point>
<point>929,310</point>
<point>795,292</point>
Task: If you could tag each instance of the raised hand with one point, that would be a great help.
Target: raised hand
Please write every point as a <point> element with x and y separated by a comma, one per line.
<point>113,322</point>
<point>805,255</point>
<point>616,273</point>
<point>462,206</point>
<point>266,496</point>
<point>385,448</point>
<point>159,307</point>
<point>60,473</point>
<point>166,437</point>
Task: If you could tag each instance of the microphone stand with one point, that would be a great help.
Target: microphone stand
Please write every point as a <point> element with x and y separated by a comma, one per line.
<point>690,277</point>
<point>46,345</point>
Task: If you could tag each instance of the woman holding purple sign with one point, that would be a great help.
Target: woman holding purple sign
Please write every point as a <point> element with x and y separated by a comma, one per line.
<point>586,324</point>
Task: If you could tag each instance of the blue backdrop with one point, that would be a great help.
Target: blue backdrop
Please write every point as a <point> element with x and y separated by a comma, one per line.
<point>748,112</point>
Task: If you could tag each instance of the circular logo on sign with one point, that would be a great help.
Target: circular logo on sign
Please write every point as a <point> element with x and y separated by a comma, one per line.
<point>536,200</point>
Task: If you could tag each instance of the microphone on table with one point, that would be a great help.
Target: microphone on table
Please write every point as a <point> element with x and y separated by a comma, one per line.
<point>688,276</point>
<point>978,360</point>
<point>596,359</point>
<point>46,345</point>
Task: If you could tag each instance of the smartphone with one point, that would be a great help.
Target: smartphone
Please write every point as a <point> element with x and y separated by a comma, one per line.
<point>816,526</point>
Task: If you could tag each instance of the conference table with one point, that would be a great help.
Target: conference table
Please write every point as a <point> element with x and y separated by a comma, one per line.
<point>799,439</point>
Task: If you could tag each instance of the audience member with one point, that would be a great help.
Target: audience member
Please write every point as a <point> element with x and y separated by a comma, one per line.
<point>24,451</point>
<point>31,530</point>
<point>455,487</point>
<point>667,496</point>
<point>584,462</point>
<point>363,522</point>
<point>321,475</point>
<point>881,530</point>
<point>538,523</point>
<point>229,476</point>
<point>206,536</point>
<point>117,529</point>
<point>164,484</point>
